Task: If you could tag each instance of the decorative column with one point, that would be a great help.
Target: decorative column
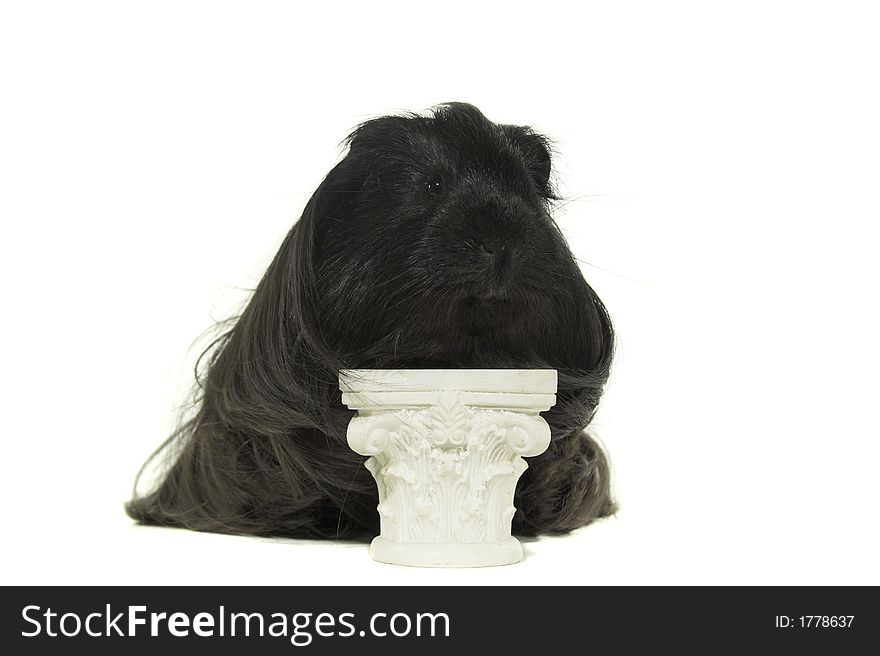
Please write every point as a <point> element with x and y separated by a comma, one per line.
<point>446,449</point>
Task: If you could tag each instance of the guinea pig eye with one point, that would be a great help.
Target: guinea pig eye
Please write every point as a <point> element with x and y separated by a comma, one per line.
<point>434,186</point>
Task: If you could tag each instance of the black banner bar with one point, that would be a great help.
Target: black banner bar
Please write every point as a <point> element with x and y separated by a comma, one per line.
<point>434,620</point>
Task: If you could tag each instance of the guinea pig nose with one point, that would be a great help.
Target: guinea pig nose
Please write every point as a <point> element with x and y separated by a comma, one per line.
<point>497,256</point>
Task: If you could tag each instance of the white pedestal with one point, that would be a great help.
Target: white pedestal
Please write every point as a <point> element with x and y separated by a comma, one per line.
<point>446,449</point>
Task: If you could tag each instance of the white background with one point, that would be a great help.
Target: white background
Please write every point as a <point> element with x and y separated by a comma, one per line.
<point>723,161</point>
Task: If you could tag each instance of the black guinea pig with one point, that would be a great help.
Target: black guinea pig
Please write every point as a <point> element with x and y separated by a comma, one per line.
<point>429,245</point>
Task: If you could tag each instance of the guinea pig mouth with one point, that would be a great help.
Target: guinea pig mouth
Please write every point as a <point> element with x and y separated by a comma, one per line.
<point>488,302</point>
<point>479,313</point>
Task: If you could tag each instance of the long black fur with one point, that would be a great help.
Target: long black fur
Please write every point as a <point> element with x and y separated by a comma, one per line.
<point>429,245</point>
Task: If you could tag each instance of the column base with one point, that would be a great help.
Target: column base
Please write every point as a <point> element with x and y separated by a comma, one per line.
<point>415,554</point>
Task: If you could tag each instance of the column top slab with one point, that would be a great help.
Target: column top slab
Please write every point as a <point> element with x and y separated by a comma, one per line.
<point>510,381</point>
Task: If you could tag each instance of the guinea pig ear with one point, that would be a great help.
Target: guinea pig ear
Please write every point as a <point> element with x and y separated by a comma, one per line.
<point>332,203</point>
<point>535,150</point>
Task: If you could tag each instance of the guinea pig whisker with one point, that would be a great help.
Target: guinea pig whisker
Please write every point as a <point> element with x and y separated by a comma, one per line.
<point>614,273</point>
<point>584,198</point>
<point>342,504</point>
<point>453,230</point>
<point>391,280</point>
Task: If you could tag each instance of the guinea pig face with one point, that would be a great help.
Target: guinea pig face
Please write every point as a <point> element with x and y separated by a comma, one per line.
<point>435,246</point>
